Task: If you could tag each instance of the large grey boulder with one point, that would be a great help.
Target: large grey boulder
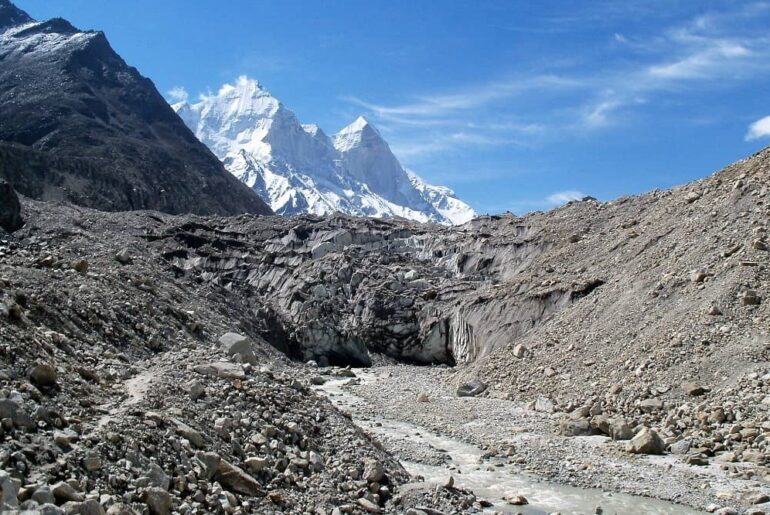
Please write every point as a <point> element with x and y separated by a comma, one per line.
<point>646,441</point>
<point>158,501</point>
<point>234,479</point>
<point>12,410</point>
<point>10,208</point>
<point>8,490</point>
<point>569,426</point>
<point>223,369</point>
<point>621,429</point>
<point>234,344</point>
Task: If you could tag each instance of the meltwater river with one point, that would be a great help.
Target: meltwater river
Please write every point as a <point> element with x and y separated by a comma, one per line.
<point>491,483</point>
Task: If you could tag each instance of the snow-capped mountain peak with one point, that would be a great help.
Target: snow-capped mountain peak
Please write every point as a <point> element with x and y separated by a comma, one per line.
<point>297,168</point>
<point>355,134</point>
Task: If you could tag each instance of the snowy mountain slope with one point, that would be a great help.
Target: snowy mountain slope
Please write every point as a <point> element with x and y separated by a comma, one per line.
<point>443,200</point>
<point>297,168</point>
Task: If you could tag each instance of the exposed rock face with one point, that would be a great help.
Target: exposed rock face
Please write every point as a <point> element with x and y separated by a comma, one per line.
<point>10,208</point>
<point>339,288</point>
<point>78,124</point>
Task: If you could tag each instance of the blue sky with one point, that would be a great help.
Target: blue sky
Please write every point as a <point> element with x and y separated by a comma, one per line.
<point>517,105</point>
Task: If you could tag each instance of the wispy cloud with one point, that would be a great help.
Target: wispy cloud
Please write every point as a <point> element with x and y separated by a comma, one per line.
<point>710,50</point>
<point>759,129</point>
<point>562,197</point>
<point>177,94</point>
<point>444,104</point>
<point>551,201</point>
<point>714,57</point>
<point>448,141</point>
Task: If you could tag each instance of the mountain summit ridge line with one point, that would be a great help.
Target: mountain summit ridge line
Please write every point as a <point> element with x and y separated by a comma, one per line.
<point>297,168</point>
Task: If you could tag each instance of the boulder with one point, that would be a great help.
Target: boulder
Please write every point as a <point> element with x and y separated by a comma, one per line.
<point>121,509</point>
<point>543,405</point>
<point>693,389</point>
<point>569,426</point>
<point>692,196</point>
<point>8,490</point>
<point>124,257</point>
<point>91,507</point>
<point>157,476</point>
<point>651,405</point>
<point>750,298</point>
<point>13,411</point>
<point>64,492</point>
<point>193,436</point>
<point>621,430</point>
<point>646,441</point>
<point>471,389</point>
<point>234,344</point>
<point>516,500</point>
<point>368,506</point>
<point>236,480</point>
<point>680,447</point>
<point>10,208</point>
<point>373,471</point>
<point>158,501</point>
<point>600,424</point>
<point>223,369</point>
<point>43,374</point>
<point>698,276</point>
<point>43,495</point>
<point>423,397</point>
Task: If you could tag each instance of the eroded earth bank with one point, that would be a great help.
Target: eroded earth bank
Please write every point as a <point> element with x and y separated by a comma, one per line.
<point>152,363</point>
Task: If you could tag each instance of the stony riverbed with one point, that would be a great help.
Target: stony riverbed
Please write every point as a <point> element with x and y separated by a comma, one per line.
<point>501,450</point>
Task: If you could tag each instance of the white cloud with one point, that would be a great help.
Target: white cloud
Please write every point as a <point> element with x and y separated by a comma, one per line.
<point>759,129</point>
<point>718,57</point>
<point>442,142</point>
<point>178,94</point>
<point>712,50</point>
<point>562,197</point>
<point>598,115</point>
<point>549,202</point>
<point>476,96</point>
<point>620,38</point>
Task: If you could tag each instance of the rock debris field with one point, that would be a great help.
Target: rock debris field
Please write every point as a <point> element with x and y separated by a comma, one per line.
<point>156,364</point>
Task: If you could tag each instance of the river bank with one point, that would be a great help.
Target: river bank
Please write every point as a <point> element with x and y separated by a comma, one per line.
<point>499,449</point>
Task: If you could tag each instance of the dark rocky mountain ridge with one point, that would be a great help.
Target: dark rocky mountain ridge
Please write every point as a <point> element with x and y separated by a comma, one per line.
<point>78,124</point>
